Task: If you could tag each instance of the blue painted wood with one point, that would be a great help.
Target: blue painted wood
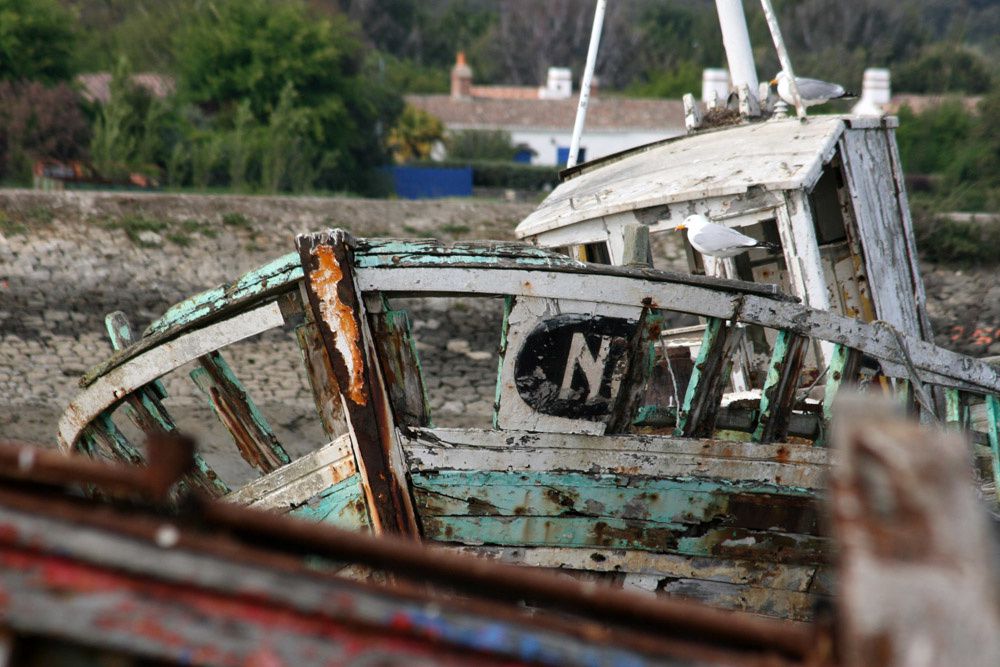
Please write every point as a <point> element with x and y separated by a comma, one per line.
<point>342,505</point>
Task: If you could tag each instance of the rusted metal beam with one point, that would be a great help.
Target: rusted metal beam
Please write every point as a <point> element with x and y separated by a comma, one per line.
<point>337,307</point>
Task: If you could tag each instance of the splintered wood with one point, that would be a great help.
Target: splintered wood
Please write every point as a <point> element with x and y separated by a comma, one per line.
<point>918,582</point>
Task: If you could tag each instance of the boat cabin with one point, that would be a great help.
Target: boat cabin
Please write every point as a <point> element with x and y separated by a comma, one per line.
<point>828,190</point>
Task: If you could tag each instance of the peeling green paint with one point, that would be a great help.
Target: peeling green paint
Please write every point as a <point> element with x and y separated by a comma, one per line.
<point>342,505</point>
<point>993,417</point>
<point>714,330</point>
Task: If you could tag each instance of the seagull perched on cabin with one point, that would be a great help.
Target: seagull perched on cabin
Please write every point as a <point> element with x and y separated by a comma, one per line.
<point>715,240</point>
<point>812,91</point>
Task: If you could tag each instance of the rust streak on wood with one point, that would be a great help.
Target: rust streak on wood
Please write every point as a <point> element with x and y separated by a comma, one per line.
<point>327,262</point>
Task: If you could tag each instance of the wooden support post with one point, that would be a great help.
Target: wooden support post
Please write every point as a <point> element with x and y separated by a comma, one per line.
<point>708,380</point>
<point>993,417</point>
<point>106,435</point>
<point>778,397</point>
<point>239,414</point>
<point>904,394</point>
<point>635,245</point>
<point>328,264</point>
<point>398,360</point>
<point>845,364</point>
<point>956,409</point>
<point>322,381</point>
<point>145,408</point>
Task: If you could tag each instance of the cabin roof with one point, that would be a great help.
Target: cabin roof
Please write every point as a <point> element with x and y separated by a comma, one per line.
<point>775,155</point>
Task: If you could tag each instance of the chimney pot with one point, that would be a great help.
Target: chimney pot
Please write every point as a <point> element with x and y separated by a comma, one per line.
<point>461,78</point>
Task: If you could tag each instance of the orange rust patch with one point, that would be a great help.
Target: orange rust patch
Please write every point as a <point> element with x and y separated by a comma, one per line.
<point>340,318</point>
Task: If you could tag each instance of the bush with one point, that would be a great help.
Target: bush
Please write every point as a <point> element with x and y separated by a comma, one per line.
<point>480,145</point>
<point>947,241</point>
<point>38,122</point>
<point>36,41</point>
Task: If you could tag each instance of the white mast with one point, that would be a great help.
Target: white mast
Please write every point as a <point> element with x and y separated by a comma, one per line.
<point>786,63</point>
<point>736,40</point>
<point>588,75</point>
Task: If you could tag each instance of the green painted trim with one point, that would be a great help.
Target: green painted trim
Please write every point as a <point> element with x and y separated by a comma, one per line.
<point>783,346</point>
<point>956,409</point>
<point>993,417</point>
<point>713,331</point>
<point>267,278</point>
<point>342,505</point>
<point>120,445</point>
<point>204,380</point>
<point>839,361</point>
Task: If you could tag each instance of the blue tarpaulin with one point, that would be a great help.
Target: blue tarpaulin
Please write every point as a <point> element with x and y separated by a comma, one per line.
<point>431,182</point>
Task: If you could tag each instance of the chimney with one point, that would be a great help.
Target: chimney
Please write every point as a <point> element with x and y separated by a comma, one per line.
<point>876,92</point>
<point>461,78</point>
<point>714,81</point>
<point>559,85</point>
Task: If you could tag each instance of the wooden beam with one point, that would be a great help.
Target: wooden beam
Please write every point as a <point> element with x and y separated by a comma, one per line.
<point>778,397</point>
<point>322,380</point>
<point>397,355</point>
<point>708,380</point>
<point>845,362</point>
<point>328,264</point>
<point>993,417</point>
<point>232,404</point>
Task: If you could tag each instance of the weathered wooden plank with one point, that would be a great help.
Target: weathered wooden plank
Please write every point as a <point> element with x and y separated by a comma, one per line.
<point>107,435</point>
<point>868,167</point>
<point>342,505</point>
<point>993,424</point>
<point>723,542</point>
<point>327,261</point>
<point>764,476</point>
<point>231,403</point>
<point>790,605</point>
<point>501,442</point>
<point>778,396</point>
<point>293,484</point>
<point>400,364</point>
<point>144,407</point>
<point>956,409</point>
<point>708,381</point>
<point>776,576</point>
<point>667,501</point>
<point>104,390</point>
<point>843,371</point>
<point>322,381</point>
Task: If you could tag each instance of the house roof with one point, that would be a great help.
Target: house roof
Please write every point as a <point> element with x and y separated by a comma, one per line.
<point>603,113</point>
<point>920,103</point>
<point>96,87</point>
<point>774,155</point>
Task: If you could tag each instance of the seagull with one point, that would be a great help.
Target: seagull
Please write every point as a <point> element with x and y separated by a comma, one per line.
<point>715,240</point>
<point>812,91</point>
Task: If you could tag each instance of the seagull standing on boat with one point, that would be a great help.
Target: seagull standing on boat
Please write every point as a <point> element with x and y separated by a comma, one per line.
<point>715,240</point>
<point>812,91</point>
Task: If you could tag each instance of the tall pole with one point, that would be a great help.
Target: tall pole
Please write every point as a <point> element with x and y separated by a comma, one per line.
<point>588,75</point>
<point>786,63</point>
<point>736,39</point>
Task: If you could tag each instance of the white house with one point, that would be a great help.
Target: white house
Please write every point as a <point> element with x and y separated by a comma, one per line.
<point>542,117</point>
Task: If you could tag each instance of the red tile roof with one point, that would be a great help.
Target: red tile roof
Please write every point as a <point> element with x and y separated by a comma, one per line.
<point>604,113</point>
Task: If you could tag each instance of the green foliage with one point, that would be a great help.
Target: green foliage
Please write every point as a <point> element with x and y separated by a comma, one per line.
<point>945,68</point>
<point>409,76</point>
<point>302,77</point>
<point>685,77</point>
<point>927,141</point>
<point>36,41</point>
<point>942,240</point>
<point>38,122</point>
<point>480,145</point>
<point>415,134</point>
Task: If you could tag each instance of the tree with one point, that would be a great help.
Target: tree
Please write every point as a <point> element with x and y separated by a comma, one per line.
<point>37,122</point>
<point>36,41</point>
<point>252,50</point>
<point>415,134</point>
<point>480,145</point>
<point>945,68</point>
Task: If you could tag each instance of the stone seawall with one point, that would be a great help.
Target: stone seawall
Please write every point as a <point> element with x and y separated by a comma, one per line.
<point>67,259</point>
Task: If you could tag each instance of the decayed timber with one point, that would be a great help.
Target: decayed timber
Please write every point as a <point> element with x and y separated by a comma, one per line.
<point>339,312</point>
<point>918,582</point>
